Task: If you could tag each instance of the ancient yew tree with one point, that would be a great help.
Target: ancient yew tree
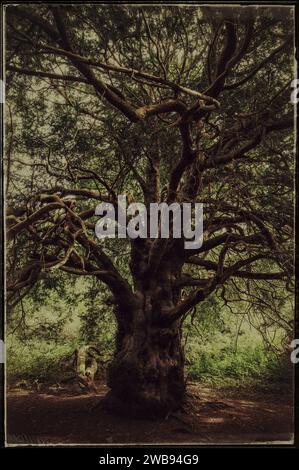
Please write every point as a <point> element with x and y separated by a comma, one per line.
<point>161,104</point>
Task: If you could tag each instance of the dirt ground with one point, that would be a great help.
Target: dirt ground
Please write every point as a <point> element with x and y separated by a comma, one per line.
<point>210,417</point>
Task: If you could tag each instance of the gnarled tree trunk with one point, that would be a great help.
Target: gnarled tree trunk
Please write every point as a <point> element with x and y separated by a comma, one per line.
<point>147,372</point>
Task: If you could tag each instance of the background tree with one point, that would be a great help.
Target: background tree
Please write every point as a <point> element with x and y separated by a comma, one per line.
<point>161,104</point>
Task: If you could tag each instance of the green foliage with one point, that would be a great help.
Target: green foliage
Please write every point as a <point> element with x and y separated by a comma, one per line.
<point>222,349</point>
<point>97,322</point>
<point>37,360</point>
<point>227,366</point>
<point>46,328</point>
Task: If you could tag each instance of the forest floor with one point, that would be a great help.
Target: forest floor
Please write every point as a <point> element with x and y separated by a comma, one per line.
<point>211,416</point>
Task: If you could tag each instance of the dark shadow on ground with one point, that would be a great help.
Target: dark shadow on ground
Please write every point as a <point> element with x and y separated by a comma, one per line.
<point>209,417</point>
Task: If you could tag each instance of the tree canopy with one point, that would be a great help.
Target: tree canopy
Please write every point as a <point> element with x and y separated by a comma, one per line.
<point>161,103</point>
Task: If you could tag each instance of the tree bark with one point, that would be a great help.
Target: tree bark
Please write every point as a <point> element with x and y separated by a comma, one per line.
<point>146,376</point>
